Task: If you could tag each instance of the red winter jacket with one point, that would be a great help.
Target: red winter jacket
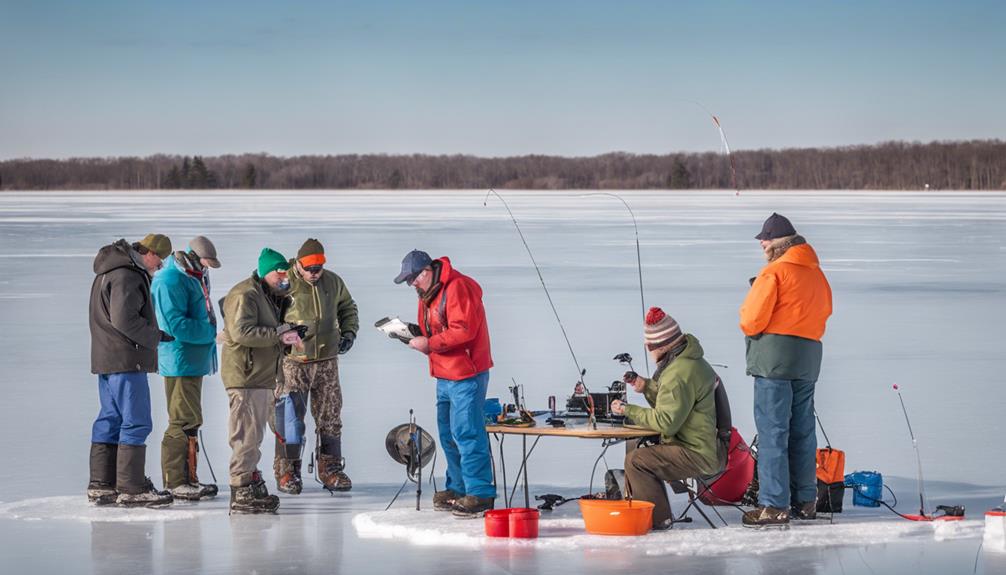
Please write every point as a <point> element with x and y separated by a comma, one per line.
<point>459,343</point>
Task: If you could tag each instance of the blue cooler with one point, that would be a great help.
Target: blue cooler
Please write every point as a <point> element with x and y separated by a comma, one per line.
<point>867,488</point>
<point>492,409</point>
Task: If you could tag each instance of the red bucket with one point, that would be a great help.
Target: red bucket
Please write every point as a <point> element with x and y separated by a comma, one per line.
<point>518,522</point>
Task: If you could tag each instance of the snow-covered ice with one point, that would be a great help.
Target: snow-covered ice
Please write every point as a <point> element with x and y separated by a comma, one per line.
<point>919,281</point>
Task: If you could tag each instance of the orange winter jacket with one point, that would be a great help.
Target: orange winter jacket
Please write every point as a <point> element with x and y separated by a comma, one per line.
<point>789,297</point>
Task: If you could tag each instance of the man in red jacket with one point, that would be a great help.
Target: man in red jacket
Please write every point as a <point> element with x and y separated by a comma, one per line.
<point>455,337</point>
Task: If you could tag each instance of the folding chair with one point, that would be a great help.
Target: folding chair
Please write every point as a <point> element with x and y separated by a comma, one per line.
<point>725,488</point>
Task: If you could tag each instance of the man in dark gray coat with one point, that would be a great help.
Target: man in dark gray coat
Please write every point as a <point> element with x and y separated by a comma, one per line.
<point>124,339</point>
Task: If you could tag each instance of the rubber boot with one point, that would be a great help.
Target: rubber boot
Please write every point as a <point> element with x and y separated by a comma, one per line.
<point>286,467</point>
<point>192,490</point>
<point>331,465</point>
<point>135,489</point>
<point>101,486</point>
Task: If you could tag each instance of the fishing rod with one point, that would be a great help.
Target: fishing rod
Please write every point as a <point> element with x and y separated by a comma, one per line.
<point>639,263</point>
<point>918,458</point>
<point>723,140</point>
<point>580,372</point>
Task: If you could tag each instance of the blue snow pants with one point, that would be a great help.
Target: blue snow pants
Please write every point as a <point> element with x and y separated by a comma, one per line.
<point>124,416</point>
<point>461,423</point>
<point>787,441</point>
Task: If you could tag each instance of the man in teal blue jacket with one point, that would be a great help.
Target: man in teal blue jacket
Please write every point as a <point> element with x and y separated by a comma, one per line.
<point>181,293</point>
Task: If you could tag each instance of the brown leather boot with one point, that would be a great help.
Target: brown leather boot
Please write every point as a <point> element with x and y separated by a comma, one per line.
<point>331,474</point>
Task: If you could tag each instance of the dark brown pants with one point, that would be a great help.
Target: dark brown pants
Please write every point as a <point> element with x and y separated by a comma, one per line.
<point>648,468</point>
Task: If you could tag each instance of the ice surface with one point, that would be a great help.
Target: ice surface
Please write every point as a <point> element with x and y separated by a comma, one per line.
<point>919,283</point>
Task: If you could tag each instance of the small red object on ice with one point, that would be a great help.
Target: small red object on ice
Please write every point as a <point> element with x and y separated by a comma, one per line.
<point>895,386</point>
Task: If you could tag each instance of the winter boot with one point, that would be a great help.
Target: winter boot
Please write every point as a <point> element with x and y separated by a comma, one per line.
<point>761,517</point>
<point>286,467</point>
<point>331,465</point>
<point>444,500</point>
<point>135,489</point>
<point>331,474</point>
<point>192,490</point>
<point>253,498</point>
<point>101,486</point>
<point>804,511</point>
<point>470,506</point>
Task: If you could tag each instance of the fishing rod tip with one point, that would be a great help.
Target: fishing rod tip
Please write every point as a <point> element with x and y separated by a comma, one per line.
<point>896,387</point>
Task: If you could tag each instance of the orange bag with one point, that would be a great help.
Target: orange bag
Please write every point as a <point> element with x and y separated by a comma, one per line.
<point>830,465</point>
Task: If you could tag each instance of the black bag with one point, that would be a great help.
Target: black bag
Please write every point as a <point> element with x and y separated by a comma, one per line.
<point>830,496</point>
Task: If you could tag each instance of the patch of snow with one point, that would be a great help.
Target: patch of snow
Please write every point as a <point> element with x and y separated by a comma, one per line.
<point>440,529</point>
<point>77,508</point>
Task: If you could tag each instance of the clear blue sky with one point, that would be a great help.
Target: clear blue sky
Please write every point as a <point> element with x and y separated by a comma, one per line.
<point>507,77</point>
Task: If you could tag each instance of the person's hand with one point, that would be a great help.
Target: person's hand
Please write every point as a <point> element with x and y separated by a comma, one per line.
<point>632,378</point>
<point>291,338</point>
<point>618,407</point>
<point>346,342</point>
<point>165,336</point>
<point>420,344</point>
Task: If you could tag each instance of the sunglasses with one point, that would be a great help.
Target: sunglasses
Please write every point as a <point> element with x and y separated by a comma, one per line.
<point>314,269</point>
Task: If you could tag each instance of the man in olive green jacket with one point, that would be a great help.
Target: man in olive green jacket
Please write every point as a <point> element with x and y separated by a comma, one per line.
<point>683,412</point>
<point>320,301</point>
<point>253,340</point>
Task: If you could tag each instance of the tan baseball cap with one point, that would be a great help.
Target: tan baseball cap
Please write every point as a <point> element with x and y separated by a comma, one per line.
<point>204,249</point>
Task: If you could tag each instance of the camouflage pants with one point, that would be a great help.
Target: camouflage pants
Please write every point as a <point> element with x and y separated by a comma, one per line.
<point>317,381</point>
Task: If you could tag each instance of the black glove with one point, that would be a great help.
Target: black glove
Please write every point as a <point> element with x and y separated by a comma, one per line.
<point>165,336</point>
<point>346,343</point>
<point>414,330</point>
<point>629,376</point>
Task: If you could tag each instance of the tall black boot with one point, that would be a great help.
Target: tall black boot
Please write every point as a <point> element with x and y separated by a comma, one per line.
<point>331,465</point>
<point>135,488</point>
<point>101,485</point>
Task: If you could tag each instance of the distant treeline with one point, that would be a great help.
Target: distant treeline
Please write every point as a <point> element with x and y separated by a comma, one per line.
<point>967,165</point>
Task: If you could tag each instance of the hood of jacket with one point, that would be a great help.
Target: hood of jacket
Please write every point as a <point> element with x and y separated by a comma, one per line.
<point>117,255</point>
<point>801,255</point>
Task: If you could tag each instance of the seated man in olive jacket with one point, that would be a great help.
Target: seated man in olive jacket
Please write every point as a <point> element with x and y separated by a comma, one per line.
<point>683,410</point>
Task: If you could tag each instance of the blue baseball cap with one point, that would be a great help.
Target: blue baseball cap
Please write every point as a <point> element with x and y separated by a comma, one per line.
<point>413,264</point>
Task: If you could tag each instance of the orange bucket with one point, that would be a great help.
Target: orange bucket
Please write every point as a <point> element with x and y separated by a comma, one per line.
<point>617,517</point>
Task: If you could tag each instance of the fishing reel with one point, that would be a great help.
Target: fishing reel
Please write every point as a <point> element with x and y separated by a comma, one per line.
<point>951,510</point>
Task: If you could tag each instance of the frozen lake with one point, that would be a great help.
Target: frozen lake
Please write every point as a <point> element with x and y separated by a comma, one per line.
<point>918,279</point>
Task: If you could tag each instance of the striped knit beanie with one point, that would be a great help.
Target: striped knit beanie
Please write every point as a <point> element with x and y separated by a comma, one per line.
<point>661,330</point>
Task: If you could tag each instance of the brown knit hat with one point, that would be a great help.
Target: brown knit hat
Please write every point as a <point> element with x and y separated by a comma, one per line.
<point>661,330</point>
<point>311,253</point>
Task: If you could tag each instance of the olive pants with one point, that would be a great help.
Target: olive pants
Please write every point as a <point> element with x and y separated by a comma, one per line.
<point>648,468</point>
<point>185,415</point>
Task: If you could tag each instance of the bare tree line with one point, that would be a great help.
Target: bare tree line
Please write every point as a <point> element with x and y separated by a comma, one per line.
<point>958,165</point>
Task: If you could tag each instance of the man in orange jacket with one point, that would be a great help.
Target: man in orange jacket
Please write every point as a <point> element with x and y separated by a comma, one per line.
<point>453,333</point>
<point>783,318</point>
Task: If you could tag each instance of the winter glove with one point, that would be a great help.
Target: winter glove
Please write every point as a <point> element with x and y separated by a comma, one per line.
<point>165,336</point>
<point>414,330</point>
<point>629,376</point>
<point>346,342</point>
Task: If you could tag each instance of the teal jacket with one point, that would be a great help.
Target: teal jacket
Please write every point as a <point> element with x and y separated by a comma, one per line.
<point>181,311</point>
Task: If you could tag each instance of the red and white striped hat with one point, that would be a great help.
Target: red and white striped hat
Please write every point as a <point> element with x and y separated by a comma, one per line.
<point>661,330</point>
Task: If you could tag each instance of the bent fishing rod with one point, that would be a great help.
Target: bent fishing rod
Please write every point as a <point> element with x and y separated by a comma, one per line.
<point>639,263</point>
<point>580,372</point>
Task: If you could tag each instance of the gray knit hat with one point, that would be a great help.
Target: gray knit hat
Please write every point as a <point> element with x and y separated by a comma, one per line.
<point>661,330</point>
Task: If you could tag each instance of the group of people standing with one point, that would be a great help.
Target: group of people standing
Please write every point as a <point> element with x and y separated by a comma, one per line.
<point>282,332</point>
<point>286,325</point>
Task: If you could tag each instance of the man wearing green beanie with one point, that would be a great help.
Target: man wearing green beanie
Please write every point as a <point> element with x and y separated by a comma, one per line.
<point>321,301</point>
<point>253,339</point>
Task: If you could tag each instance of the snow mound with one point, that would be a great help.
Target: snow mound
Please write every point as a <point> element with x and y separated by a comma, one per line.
<point>76,508</point>
<point>441,529</point>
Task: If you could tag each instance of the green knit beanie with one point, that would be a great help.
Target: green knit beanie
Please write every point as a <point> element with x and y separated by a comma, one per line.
<point>271,260</point>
